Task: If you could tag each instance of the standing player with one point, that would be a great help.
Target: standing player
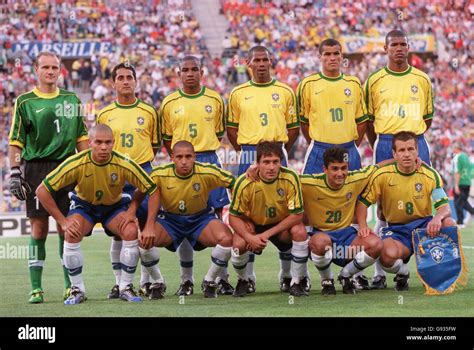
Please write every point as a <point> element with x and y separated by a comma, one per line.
<point>407,196</point>
<point>262,109</point>
<point>399,97</point>
<point>47,128</point>
<point>462,169</point>
<point>329,201</point>
<point>331,110</point>
<point>184,188</point>
<point>195,114</point>
<point>100,175</point>
<point>270,209</point>
<point>136,131</point>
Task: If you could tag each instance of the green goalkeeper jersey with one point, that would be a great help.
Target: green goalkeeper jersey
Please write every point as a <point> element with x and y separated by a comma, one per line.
<point>47,125</point>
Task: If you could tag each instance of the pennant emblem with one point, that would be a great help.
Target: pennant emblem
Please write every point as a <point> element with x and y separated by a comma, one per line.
<point>440,261</point>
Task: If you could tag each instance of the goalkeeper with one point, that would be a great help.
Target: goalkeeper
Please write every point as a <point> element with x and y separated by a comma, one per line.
<point>47,127</point>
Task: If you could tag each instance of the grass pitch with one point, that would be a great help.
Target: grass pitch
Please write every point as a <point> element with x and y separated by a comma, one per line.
<point>267,301</point>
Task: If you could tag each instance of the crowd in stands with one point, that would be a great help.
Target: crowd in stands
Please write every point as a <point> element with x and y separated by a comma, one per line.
<point>154,34</point>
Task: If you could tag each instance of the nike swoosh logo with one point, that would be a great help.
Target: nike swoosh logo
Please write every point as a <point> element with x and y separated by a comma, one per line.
<point>383,90</point>
<point>109,120</point>
<point>73,271</point>
<point>169,188</point>
<point>391,185</point>
<point>248,98</point>
<point>318,92</point>
<point>40,110</point>
<point>88,175</point>
<point>320,199</point>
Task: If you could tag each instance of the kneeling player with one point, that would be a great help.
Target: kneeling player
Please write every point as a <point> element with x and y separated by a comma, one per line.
<point>100,175</point>
<point>184,187</point>
<point>407,195</point>
<point>270,209</point>
<point>329,201</point>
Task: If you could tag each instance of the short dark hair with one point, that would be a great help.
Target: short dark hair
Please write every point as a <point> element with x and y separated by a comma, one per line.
<point>335,155</point>
<point>267,148</point>
<point>189,58</point>
<point>258,48</point>
<point>125,65</point>
<point>396,33</point>
<point>329,42</point>
<point>404,136</point>
<point>182,144</point>
<point>46,53</point>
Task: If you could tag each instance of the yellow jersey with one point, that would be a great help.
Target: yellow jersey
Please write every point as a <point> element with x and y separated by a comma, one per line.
<point>332,107</point>
<point>99,184</point>
<point>136,129</point>
<point>198,119</point>
<point>188,195</point>
<point>399,101</point>
<point>331,209</point>
<point>262,112</point>
<point>405,197</point>
<point>267,202</point>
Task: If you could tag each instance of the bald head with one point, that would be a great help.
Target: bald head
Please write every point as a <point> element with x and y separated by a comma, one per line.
<point>102,129</point>
<point>183,145</point>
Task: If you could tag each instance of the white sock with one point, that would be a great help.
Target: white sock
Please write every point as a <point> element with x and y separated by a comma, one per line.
<point>398,268</point>
<point>150,259</point>
<point>323,264</point>
<point>285,264</point>
<point>223,275</point>
<point>219,259</point>
<point>379,224</point>
<point>115,248</point>
<point>74,261</point>
<point>186,253</point>
<point>250,271</point>
<point>359,263</point>
<point>299,259</point>
<point>129,261</point>
<point>240,264</point>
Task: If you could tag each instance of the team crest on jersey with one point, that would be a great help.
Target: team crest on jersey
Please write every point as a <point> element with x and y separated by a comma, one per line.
<point>196,187</point>
<point>113,177</point>
<point>414,89</point>
<point>275,97</point>
<point>348,196</point>
<point>208,109</point>
<point>140,120</point>
<point>418,187</point>
<point>347,92</point>
<point>437,254</point>
<point>281,192</point>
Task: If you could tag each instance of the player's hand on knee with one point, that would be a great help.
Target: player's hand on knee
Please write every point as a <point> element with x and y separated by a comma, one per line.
<point>433,227</point>
<point>126,217</point>
<point>18,185</point>
<point>146,238</point>
<point>256,243</point>
<point>72,228</point>
<point>365,231</point>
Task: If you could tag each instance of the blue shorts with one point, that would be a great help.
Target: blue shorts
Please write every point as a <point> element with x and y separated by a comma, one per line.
<point>180,227</point>
<point>383,148</point>
<point>248,156</point>
<point>341,239</point>
<point>314,162</point>
<point>97,213</point>
<point>142,210</point>
<point>403,232</point>
<point>218,198</point>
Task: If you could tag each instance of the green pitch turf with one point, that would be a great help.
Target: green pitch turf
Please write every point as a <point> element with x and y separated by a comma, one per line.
<point>268,301</point>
